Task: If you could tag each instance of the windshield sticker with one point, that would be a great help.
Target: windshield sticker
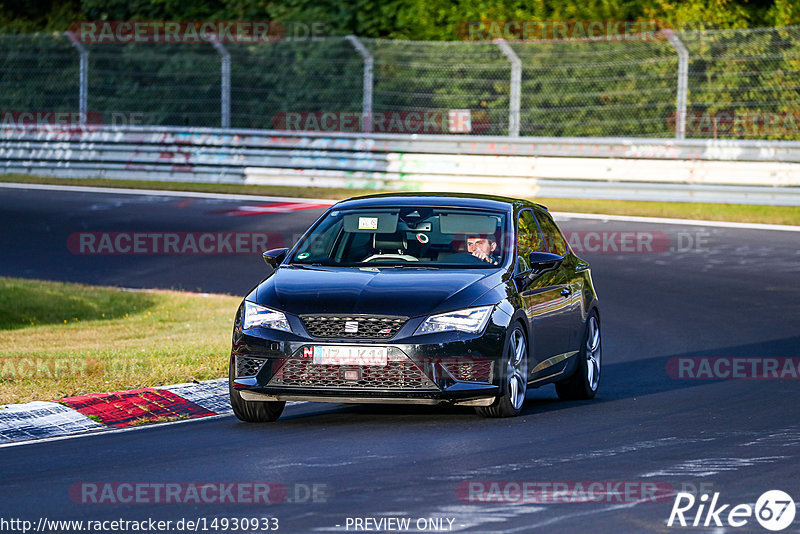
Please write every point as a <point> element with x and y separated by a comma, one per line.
<point>303,255</point>
<point>367,223</point>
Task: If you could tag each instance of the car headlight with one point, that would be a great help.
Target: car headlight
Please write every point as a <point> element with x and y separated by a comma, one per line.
<point>470,320</point>
<point>255,315</point>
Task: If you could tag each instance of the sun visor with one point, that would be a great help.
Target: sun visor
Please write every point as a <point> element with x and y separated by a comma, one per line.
<point>380,223</point>
<point>461,223</point>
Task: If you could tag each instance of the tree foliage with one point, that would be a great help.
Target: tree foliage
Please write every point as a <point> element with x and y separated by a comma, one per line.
<point>401,19</point>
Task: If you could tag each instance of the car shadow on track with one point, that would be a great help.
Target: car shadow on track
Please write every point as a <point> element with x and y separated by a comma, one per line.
<point>647,376</point>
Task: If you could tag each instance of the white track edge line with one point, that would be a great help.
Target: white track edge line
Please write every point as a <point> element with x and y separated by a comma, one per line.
<point>664,220</point>
<point>160,192</point>
<point>232,196</point>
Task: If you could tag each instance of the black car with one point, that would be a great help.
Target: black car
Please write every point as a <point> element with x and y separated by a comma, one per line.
<point>419,298</point>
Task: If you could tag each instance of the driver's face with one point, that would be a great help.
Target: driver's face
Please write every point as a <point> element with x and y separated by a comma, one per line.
<point>480,244</point>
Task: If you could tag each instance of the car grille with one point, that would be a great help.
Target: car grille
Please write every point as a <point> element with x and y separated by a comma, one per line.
<point>248,366</point>
<point>369,327</point>
<point>302,372</point>
<point>469,369</point>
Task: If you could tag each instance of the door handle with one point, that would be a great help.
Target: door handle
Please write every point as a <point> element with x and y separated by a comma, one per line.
<point>566,292</point>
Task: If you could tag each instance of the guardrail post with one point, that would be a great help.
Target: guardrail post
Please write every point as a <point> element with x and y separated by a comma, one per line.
<point>83,91</point>
<point>366,103</point>
<point>516,87</point>
<point>225,84</point>
<point>683,83</point>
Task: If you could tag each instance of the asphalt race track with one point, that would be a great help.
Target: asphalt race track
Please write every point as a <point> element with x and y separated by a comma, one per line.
<point>703,292</point>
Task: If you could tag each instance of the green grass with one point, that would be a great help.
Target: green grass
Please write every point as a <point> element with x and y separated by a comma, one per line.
<point>749,213</point>
<point>684,210</point>
<point>23,304</point>
<point>60,339</point>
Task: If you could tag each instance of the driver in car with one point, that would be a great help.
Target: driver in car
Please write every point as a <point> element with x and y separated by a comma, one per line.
<point>483,247</point>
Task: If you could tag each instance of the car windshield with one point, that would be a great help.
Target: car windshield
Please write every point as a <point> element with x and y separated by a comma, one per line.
<point>407,237</point>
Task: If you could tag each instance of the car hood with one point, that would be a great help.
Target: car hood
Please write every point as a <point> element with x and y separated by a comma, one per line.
<point>384,291</point>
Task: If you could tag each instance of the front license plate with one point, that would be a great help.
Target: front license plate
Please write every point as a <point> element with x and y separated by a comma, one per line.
<point>328,355</point>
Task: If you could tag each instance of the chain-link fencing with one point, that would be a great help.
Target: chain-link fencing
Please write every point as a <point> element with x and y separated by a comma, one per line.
<point>732,84</point>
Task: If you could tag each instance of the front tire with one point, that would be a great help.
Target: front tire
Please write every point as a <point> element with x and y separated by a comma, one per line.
<point>515,376</point>
<point>252,411</point>
<point>583,384</point>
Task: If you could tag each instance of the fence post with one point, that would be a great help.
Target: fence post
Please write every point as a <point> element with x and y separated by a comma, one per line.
<point>683,83</point>
<point>225,83</point>
<point>366,104</point>
<point>516,83</point>
<point>83,91</point>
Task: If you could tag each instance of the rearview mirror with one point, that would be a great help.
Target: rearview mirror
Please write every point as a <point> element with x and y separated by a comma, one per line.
<point>275,256</point>
<point>544,261</point>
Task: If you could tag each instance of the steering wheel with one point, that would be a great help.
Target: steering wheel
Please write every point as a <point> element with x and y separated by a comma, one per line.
<point>402,257</point>
<point>464,257</point>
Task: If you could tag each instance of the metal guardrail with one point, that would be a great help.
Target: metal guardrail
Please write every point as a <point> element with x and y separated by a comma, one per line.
<point>617,147</point>
<point>765,172</point>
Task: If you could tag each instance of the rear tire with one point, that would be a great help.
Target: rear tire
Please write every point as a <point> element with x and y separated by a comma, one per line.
<point>515,378</point>
<point>583,384</point>
<point>252,411</point>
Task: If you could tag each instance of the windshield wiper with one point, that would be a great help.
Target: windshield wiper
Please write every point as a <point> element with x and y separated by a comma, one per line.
<point>309,265</point>
<point>400,265</point>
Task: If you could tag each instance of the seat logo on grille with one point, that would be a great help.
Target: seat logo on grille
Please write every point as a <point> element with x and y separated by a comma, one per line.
<point>351,327</point>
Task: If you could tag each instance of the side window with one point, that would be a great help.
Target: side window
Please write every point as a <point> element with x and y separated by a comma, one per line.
<point>529,239</point>
<point>556,243</point>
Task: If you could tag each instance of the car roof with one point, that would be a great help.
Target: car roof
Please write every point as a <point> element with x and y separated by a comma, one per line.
<point>456,200</point>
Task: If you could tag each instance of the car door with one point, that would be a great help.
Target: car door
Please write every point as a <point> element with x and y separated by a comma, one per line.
<point>542,300</point>
<point>568,277</point>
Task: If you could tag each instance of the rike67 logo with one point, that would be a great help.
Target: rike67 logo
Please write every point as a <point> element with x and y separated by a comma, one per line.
<point>774,510</point>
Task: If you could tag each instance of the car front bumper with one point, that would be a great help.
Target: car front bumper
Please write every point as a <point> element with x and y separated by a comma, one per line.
<point>452,368</point>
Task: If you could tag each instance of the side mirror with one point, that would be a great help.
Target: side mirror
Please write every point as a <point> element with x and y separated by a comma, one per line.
<point>275,256</point>
<point>544,261</point>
